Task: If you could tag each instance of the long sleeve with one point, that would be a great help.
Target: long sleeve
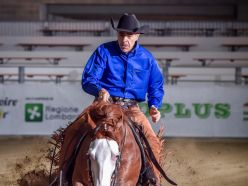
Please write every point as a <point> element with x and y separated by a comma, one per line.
<point>93,73</point>
<point>155,88</point>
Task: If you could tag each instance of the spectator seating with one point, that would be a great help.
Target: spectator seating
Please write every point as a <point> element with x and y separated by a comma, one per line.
<point>50,76</point>
<point>197,53</point>
<point>199,28</point>
<point>166,60</point>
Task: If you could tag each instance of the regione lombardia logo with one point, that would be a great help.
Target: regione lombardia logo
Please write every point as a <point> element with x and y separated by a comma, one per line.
<point>33,112</point>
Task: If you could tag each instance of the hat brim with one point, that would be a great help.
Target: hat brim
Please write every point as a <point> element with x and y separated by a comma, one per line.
<point>141,30</point>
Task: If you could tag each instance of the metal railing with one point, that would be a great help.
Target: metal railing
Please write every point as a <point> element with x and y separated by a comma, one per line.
<point>103,28</point>
<point>24,74</point>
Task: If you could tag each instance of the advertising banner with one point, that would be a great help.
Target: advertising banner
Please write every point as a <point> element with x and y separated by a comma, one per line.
<point>192,111</point>
<point>39,109</point>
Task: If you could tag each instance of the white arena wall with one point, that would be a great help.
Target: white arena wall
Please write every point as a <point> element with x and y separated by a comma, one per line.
<point>188,111</point>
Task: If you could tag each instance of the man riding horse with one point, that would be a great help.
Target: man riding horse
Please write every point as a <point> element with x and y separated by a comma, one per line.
<point>124,72</point>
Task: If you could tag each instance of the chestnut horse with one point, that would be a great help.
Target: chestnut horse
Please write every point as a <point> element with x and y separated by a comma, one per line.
<point>99,149</point>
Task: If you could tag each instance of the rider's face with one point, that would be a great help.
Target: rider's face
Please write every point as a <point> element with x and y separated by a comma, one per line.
<point>126,41</point>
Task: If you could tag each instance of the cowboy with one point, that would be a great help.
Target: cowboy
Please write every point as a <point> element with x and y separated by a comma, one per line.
<point>126,72</point>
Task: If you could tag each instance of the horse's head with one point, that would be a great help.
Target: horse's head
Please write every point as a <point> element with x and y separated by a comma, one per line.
<point>103,154</point>
<point>105,147</point>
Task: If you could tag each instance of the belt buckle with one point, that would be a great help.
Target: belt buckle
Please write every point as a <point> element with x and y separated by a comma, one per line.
<point>115,99</point>
<point>125,100</point>
<point>121,103</point>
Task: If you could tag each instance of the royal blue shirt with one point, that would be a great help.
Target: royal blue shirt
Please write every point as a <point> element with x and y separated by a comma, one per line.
<point>130,75</point>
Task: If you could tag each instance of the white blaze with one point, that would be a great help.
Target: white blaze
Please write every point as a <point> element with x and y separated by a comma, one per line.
<point>103,155</point>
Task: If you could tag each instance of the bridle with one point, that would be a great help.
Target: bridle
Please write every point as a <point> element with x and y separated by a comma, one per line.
<point>104,128</point>
<point>92,133</point>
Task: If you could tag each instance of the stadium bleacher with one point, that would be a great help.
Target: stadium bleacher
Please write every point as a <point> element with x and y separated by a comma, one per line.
<point>195,45</point>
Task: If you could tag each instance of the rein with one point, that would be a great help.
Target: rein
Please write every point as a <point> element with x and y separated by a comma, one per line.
<point>151,155</point>
<point>72,160</point>
<point>142,151</point>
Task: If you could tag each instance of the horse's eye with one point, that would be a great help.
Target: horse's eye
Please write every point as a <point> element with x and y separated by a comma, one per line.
<point>114,157</point>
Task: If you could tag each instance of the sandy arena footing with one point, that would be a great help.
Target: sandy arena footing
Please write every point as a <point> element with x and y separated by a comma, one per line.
<point>188,161</point>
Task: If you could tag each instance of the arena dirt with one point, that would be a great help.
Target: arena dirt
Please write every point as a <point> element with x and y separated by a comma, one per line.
<point>189,162</point>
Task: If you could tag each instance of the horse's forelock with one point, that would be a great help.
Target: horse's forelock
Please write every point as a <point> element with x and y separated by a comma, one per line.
<point>107,113</point>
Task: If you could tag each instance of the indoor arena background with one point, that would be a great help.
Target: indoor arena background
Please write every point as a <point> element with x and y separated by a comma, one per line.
<point>200,45</point>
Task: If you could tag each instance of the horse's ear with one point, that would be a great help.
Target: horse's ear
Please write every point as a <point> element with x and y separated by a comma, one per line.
<point>89,120</point>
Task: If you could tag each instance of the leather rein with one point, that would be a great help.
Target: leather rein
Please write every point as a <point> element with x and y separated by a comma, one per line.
<point>139,135</point>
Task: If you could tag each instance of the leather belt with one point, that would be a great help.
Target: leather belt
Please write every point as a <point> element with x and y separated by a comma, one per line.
<point>124,102</point>
<point>119,99</point>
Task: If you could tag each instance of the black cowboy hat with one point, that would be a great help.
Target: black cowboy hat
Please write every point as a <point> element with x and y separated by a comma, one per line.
<point>129,23</point>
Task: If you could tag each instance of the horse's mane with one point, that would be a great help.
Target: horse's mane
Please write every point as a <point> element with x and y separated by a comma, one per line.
<point>105,112</point>
<point>110,115</point>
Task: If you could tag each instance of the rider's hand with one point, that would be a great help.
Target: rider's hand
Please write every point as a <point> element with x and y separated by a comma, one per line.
<point>155,114</point>
<point>103,95</point>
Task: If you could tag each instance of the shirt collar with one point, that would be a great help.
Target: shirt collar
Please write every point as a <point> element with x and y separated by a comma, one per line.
<point>132,52</point>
